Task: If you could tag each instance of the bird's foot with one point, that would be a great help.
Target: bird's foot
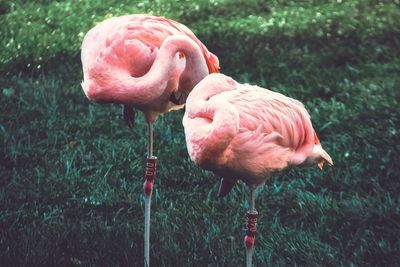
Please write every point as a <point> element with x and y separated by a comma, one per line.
<point>129,116</point>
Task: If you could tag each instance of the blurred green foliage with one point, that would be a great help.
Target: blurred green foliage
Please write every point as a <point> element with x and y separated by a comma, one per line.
<point>71,172</point>
<point>40,29</point>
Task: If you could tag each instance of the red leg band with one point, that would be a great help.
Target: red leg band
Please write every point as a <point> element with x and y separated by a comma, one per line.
<point>251,229</point>
<point>150,175</point>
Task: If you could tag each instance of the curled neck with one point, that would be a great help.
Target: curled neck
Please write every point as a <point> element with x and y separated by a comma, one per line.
<point>212,85</point>
<point>210,125</point>
<point>156,86</point>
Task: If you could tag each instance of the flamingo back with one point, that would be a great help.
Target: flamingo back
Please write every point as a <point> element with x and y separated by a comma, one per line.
<point>121,48</point>
<point>270,133</point>
<point>130,43</point>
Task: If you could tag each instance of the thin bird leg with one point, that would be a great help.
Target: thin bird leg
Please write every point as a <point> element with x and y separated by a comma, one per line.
<point>251,227</point>
<point>150,175</point>
<point>150,139</point>
<point>252,199</point>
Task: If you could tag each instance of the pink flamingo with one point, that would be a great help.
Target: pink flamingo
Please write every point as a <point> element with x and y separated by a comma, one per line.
<point>247,132</point>
<point>145,62</point>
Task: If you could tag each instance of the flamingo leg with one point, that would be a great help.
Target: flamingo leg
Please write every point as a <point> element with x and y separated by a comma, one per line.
<point>251,227</point>
<point>150,139</point>
<point>147,209</point>
<point>150,174</point>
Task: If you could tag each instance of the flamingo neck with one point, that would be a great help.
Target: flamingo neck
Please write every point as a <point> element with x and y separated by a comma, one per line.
<point>163,77</point>
<point>213,85</point>
<point>195,70</point>
<point>216,119</point>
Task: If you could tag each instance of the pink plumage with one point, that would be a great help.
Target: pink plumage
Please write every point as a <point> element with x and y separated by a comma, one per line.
<point>240,131</point>
<point>145,62</point>
<point>119,58</point>
<point>247,132</point>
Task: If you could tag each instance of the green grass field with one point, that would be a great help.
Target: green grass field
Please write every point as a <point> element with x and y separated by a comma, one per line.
<point>71,172</point>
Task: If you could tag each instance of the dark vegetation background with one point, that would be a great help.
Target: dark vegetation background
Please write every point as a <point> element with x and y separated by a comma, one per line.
<point>71,171</point>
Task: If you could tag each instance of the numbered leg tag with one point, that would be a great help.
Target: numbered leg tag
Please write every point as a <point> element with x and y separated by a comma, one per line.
<point>251,229</point>
<point>150,175</point>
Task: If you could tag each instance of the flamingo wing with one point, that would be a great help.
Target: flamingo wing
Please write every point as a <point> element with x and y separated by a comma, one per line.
<point>131,43</point>
<point>265,112</point>
<point>247,132</point>
<point>275,131</point>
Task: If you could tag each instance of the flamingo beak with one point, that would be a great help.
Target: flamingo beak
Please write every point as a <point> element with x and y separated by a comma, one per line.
<point>177,100</point>
<point>173,99</point>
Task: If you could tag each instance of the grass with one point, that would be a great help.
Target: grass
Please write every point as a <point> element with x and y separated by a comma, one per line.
<point>71,171</point>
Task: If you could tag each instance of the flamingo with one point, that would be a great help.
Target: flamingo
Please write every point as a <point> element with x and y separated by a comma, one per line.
<point>145,62</point>
<point>245,132</point>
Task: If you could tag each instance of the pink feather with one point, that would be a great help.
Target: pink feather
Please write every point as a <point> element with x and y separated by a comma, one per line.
<point>247,132</point>
<point>140,60</point>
